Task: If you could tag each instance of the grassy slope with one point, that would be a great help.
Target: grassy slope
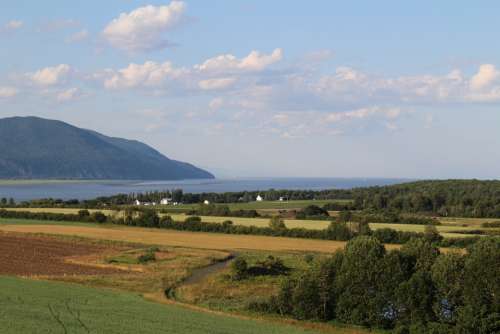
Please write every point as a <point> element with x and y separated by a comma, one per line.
<point>47,307</point>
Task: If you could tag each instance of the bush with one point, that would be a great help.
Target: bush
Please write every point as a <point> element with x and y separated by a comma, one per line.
<point>99,217</point>
<point>239,269</point>
<point>149,256</point>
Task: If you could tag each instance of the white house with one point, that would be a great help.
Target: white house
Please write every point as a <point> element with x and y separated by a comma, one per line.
<point>137,202</point>
<point>207,202</point>
<point>259,198</point>
<point>165,201</point>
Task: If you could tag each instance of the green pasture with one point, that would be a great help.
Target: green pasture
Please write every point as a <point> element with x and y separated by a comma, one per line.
<point>46,307</point>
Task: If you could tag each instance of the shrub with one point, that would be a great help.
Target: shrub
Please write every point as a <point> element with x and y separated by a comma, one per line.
<point>99,217</point>
<point>239,269</point>
<point>149,256</point>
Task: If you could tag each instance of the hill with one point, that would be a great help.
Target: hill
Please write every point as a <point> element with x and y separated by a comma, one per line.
<point>36,148</point>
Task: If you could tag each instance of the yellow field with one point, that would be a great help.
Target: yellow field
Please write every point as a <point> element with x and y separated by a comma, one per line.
<point>60,210</point>
<point>184,239</point>
<point>321,224</point>
<point>448,224</point>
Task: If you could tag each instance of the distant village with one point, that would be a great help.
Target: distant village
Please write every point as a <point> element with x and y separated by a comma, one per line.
<point>169,201</point>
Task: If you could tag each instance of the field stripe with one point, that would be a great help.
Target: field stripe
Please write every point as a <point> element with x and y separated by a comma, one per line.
<point>186,239</point>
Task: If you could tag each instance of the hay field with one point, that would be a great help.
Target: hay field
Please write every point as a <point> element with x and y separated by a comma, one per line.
<point>184,239</point>
<point>321,224</point>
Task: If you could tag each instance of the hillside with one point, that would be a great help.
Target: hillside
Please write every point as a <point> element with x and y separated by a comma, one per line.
<point>32,147</point>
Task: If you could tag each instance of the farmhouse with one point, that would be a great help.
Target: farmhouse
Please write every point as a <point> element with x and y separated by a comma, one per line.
<point>207,202</point>
<point>137,202</point>
<point>165,201</point>
<point>259,198</point>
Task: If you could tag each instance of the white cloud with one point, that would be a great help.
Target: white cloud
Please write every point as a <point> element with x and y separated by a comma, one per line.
<point>218,83</point>
<point>143,28</point>
<point>363,113</point>
<point>217,73</point>
<point>7,92</point>
<point>149,74</point>
<point>68,94</point>
<point>78,36</point>
<point>255,61</point>
<point>486,75</point>
<point>50,76</point>
<point>13,25</point>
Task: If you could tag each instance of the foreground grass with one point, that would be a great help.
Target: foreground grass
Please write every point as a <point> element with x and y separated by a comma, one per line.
<point>48,307</point>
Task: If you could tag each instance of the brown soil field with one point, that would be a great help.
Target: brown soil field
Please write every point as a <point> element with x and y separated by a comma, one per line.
<point>186,239</point>
<point>26,255</point>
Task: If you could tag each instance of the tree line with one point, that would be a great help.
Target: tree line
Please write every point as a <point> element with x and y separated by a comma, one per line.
<point>413,290</point>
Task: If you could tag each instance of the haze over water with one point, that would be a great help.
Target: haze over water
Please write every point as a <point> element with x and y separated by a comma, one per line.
<point>91,189</point>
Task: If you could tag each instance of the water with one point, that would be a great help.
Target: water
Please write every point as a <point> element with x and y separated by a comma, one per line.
<point>92,189</point>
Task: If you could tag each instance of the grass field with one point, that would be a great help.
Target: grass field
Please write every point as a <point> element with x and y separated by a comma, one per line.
<point>264,205</point>
<point>449,225</point>
<point>444,229</point>
<point>47,307</point>
<point>61,210</point>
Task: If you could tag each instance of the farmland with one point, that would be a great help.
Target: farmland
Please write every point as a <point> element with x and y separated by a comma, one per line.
<point>450,227</point>
<point>107,264</point>
<point>48,307</point>
<point>178,238</point>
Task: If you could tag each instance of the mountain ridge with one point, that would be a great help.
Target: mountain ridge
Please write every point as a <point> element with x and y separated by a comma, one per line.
<point>36,148</point>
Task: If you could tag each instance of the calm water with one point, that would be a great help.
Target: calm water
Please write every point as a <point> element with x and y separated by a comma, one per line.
<point>87,190</point>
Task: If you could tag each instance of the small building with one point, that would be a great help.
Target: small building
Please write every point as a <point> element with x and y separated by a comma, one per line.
<point>206,202</point>
<point>259,198</point>
<point>165,201</point>
<point>137,202</point>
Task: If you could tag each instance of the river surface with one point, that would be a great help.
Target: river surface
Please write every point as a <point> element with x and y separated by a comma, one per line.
<point>23,191</point>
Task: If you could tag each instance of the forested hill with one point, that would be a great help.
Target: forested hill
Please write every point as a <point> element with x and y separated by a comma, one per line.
<point>468,198</point>
<point>32,147</point>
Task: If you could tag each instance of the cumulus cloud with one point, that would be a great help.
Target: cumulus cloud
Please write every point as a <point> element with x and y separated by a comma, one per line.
<point>7,92</point>
<point>363,113</point>
<point>68,94</point>
<point>78,36</point>
<point>50,76</point>
<point>13,25</point>
<point>255,61</point>
<point>486,75</point>
<point>217,73</point>
<point>217,83</point>
<point>143,28</point>
<point>149,74</point>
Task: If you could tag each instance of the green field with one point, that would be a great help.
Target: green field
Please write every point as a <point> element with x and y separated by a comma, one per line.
<point>46,307</point>
<point>445,229</point>
<point>264,205</point>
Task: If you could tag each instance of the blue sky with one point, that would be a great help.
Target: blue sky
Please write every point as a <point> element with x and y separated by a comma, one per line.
<point>268,88</point>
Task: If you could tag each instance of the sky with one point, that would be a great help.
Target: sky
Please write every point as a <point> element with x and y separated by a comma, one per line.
<point>268,88</point>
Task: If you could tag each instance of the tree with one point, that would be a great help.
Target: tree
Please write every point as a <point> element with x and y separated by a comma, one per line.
<point>431,234</point>
<point>358,282</point>
<point>239,269</point>
<point>481,311</point>
<point>448,277</point>
<point>422,252</point>
<point>99,217</point>
<point>276,223</point>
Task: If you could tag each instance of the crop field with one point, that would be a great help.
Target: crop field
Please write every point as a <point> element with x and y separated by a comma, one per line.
<point>38,255</point>
<point>445,229</point>
<point>60,210</point>
<point>48,307</point>
<point>181,239</point>
<point>259,206</point>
